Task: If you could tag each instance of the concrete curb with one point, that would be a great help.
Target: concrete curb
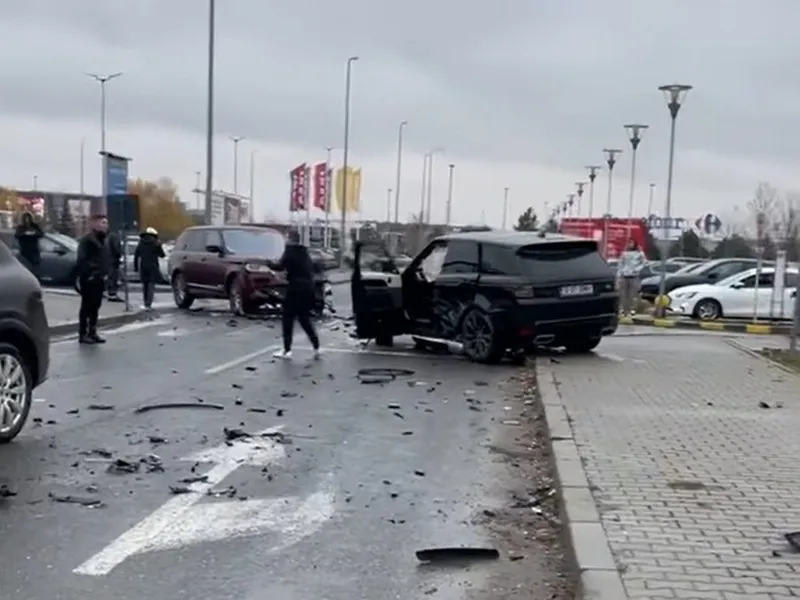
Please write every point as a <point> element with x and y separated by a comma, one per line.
<point>586,538</point>
<point>71,327</point>
<point>758,356</point>
<point>729,326</point>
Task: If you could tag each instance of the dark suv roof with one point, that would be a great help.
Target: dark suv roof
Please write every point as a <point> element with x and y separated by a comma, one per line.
<point>246,227</point>
<point>514,239</point>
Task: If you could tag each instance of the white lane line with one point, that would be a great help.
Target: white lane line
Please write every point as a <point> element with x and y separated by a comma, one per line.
<point>240,360</point>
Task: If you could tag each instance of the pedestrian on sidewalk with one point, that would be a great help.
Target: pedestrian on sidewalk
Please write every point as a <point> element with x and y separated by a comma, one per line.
<point>28,234</point>
<point>300,293</point>
<point>145,262</point>
<point>93,263</point>
<point>115,259</point>
<point>629,268</point>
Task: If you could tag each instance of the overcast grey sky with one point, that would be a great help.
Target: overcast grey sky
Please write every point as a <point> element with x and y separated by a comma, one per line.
<point>520,94</point>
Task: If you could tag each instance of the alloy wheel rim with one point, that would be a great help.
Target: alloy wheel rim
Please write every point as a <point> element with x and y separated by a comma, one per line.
<point>476,334</point>
<point>236,299</point>
<point>177,288</point>
<point>13,392</point>
<point>707,311</point>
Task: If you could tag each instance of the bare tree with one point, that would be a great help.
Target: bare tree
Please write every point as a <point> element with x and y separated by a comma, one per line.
<point>786,224</point>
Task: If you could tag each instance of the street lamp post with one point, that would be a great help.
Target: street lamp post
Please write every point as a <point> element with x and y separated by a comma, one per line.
<point>388,205</point>
<point>650,200</point>
<point>635,137</point>
<point>593,169</point>
<point>451,167</point>
<point>399,170</point>
<point>424,188</point>
<point>579,185</point>
<point>252,184</point>
<point>345,152</point>
<point>611,160</point>
<point>431,154</point>
<point>103,80</point>
<point>674,95</point>
<point>570,203</point>
<point>236,139</point>
<point>210,115</point>
<point>197,184</point>
<point>505,207</point>
<point>328,182</point>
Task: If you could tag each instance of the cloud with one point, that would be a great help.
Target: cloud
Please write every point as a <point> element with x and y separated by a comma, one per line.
<point>520,94</point>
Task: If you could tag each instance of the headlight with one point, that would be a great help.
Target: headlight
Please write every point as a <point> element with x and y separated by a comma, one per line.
<point>685,295</point>
<point>254,268</point>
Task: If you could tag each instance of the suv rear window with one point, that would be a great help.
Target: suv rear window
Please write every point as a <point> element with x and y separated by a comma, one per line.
<point>562,261</point>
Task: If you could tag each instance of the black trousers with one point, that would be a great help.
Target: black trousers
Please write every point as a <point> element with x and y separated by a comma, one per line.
<point>113,279</point>
<point>148,289</point>
<point>32,263</point>
<point>297,306</point>
<point>91,299</point>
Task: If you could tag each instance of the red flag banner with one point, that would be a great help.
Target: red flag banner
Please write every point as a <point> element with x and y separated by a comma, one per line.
<point>298,192</point>
<point>320,185</point>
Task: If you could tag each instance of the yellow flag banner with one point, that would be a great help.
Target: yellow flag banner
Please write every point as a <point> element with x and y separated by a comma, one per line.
<point>352,202</point>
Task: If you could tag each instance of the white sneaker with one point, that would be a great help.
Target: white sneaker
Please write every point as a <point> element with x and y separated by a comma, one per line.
<point>285,355</point>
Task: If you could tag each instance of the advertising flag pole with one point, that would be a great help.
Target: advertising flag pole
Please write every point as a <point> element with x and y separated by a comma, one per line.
<point>328,177</point>
<point>307,233</point>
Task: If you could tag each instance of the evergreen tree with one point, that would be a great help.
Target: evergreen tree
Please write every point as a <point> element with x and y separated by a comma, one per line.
<point>527,221</point>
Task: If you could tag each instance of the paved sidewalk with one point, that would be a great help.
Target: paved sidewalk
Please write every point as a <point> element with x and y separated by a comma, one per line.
<point>695,482</point>
<point>62,311</point>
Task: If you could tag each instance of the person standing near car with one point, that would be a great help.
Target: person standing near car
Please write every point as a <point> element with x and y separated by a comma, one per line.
<point>28,234</point>
<point>93,266</point>
<point>299,300</point>
<point>145,261</point>
<point>629,268</point>
<point>115,258</point>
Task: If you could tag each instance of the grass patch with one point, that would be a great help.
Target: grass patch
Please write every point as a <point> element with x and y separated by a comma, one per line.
<point>784,357</point>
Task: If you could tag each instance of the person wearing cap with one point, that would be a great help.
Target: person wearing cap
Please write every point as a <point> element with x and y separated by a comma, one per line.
<point>145,262</point>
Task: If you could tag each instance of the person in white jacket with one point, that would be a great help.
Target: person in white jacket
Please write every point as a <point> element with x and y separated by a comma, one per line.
<point>629,268</point>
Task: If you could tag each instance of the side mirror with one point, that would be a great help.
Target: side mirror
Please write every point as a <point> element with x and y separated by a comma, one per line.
<point>214,249</point>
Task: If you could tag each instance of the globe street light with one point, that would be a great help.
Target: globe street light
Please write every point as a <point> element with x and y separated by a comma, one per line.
<point>579,185</point>
<point>344,235</point>
<point>635,137</point>
<point>611,160</point>
<point>593,169</point>
<point>674,95</point>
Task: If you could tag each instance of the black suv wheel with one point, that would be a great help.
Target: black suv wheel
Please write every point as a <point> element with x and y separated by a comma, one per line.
<point>183,299</point>
<point>16,391</point>
<point>480,338</point>
<point>582,345</point>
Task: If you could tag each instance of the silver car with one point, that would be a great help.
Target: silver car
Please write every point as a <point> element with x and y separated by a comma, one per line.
<point>163,264</point>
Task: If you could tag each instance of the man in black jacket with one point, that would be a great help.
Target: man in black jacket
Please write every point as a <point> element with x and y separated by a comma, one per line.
<point>28,234</point>
<point>299,300</point>
<point>93,263</point>
<point>145,261</point>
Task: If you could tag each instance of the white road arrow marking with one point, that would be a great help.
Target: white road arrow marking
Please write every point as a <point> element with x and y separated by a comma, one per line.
<point>182,521</point>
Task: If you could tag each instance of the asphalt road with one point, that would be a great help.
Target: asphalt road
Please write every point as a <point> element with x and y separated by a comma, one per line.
<point>359,477</point>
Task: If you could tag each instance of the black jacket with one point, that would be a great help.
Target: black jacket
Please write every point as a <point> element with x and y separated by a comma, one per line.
<point>114,248</point>
<point>299,268</point>
<point>145,258</point>
<point>93,256</point>
<point>28,236</point>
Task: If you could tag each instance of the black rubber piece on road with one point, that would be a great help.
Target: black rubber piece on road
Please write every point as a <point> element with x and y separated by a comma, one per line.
<point>794,539</point>
<point>456,554</point>
<point>149,407</point>
<point>377,375</point>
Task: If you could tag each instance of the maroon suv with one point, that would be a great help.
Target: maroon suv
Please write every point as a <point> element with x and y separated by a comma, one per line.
<point>233,262</point>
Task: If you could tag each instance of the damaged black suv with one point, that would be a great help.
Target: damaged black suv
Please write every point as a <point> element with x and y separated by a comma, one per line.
<point>496,293</point>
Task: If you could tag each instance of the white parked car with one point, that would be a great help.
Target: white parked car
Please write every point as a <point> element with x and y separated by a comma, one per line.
<point>163,263</point>
<point>736,296</point>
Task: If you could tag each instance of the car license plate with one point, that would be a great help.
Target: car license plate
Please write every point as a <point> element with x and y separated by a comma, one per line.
<point>569,291</point>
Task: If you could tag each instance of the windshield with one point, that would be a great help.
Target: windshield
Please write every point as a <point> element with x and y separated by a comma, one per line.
<point>66,241</point>
<point>268,244</point>
<point>691,268</point>
<point>562,261</point>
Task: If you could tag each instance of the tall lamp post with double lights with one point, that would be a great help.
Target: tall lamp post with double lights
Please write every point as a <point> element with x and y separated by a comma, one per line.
<point>635,137</point>
<point>103,80</point>
<point>399,170</point>
<point>611,160</point>
<point>345,151</point>
<point>579,185</point>
<point>593,169</point>
<point>674,94</point>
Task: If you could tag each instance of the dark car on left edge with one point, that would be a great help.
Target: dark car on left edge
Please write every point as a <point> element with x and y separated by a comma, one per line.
<point>59,256</point>
<point>496,293</point>
<point>24,343</point>
<point>233,262</point>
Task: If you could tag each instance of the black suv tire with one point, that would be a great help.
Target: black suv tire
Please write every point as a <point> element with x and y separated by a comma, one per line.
<point>183,299</point>
<point>239,306</point>
<point>9,352</point>
<point>582,345</point>
<point>480,338</point>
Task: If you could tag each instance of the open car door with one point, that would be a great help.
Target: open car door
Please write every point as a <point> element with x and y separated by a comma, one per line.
<point>376,290</point>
